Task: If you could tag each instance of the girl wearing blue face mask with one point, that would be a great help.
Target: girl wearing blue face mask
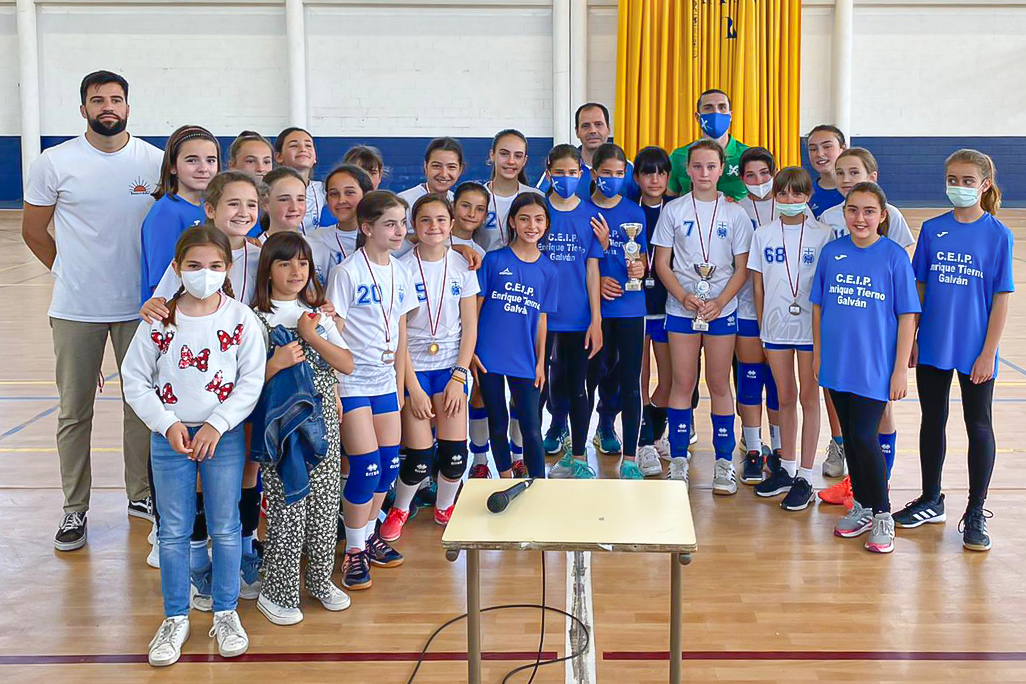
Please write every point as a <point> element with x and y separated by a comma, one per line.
<point>963,267</point>
<point>623,268</point>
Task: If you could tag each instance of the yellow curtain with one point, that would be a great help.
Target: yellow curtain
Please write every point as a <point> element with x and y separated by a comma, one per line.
<point>669,51</point>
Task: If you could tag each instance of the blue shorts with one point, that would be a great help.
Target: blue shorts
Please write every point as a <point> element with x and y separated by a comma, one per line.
<point>770,346</point>
<point>724,325</point>
<point>434,381</point>
<point>747,327</point>
<point>382,403</point>
<point>656,329</point>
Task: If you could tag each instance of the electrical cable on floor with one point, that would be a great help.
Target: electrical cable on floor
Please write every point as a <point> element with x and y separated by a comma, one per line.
<point>538,661</point>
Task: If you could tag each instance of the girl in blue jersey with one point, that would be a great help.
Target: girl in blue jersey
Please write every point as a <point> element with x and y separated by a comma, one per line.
<point>651,173</point>
<point>575,328</point>
<point>519,289</point>
<point>192,158</point>
<point>707,239</point>
<point>865,303</point>
<point>623,308</point>
<point>963,266</point>
<point>252,153</point>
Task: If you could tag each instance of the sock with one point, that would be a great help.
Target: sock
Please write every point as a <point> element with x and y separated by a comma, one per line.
<point>753,438</point>
<point>658,421</point>
<point>368,531</point>
<point>774,437</point>
<point>198,558</point>
<point>516,438</point>
<point>839,440</point>
<point>680,431</point>
<point>645,437</point>
<point>480,457</point>
<point>723,436</point>
<point>888,444</point>
<point>404,495</point>
<point>478,430</point>
<point>247,546</point>
<point>790,467</point>
<point>805,474</point>
<point>355,538</point>
<point>446,496</point>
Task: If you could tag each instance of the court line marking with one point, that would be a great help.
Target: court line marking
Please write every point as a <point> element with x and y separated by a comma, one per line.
<point>1012,365</point>
<point>346,657</point>
<point>43,414</point>
<point>580,670</point>
<point>989,656</point>
<point>11,268</point>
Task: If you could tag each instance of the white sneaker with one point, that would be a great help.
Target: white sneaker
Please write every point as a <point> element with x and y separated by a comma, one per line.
<point>278,615</point>
<point>153,558</point>
<point>834,465</point>
<point>648,461</point>
<point>679,468</point>
<point>249,591</point>
<point>198,601</point>
<point>166,645</point>
<point>693,439</point>
<point>232,639</point>
<point>336,599</point>
<point>662,446</point>
<point>724,478</point>
<point>151,538</point>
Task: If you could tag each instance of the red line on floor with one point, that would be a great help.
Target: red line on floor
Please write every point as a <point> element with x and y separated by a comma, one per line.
<point>1013,656</point>
<point>351,657</point>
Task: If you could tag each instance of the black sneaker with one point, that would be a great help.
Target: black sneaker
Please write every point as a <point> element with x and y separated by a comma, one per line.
<point>71,534</point>
<point>799,496</point>
<point>974,529</point>
<point>778,482</point>
<point>773,462</point>
<point>920,512</point>
<point>143,508</point>
<point>752,472</point>
<point>381,553</point>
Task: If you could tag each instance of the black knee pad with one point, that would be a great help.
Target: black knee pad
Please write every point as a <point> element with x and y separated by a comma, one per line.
<point>416,466</point>
<point>249,510</point>
<point>452,459</point>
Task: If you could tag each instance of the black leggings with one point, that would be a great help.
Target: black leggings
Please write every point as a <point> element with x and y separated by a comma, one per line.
<point>567,387</point>
<point>526,397</point>
<point>625,338</point>
<point>934,387</point>
<point>860,427</point>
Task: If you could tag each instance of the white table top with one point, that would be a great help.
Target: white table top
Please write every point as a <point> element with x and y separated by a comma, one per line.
<point>576,515</point>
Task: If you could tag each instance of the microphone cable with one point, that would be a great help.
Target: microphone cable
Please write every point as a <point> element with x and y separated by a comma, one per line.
<point>538,662</point>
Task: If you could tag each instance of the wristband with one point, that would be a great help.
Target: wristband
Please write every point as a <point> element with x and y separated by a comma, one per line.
<point>461,369</point>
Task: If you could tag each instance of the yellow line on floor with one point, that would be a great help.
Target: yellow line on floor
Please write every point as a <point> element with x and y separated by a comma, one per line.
<point>11,268</point>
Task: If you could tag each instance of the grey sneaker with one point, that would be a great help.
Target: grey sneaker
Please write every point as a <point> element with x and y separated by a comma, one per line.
<point>679,468</point>
<point>857,521</point>
<point>564,467</point>
<point>648,461</point>
<point>834,465</point>
<point>724,478</point>
<point>881,537</point>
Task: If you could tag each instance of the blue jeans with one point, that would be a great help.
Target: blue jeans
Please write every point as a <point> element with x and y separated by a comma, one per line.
<point>174,476</point>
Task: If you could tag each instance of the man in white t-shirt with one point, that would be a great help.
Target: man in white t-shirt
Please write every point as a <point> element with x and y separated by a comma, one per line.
<point>96,189</point>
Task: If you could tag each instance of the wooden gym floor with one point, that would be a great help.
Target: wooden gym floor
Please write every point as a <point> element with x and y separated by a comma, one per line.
<point>771,596</point>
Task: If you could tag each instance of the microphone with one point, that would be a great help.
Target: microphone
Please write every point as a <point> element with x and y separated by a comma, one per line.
<point>498,501</point>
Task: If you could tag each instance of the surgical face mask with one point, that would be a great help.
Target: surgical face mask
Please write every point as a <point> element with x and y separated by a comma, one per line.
<point>792,209</point>
<point>762,190</point>
<point>961,196</point>
<point>565,186</point>
<point>714,124</point>
<point>202,283</point>
<point>610,187</point>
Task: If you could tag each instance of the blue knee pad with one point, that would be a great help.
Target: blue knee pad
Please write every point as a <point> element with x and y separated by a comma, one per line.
<point>364,475</point>
<point>750,379</point>
<point>390,463</point>
<point>772,401</point>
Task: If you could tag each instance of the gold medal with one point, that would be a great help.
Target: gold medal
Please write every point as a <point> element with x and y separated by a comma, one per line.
<point>433,348</point>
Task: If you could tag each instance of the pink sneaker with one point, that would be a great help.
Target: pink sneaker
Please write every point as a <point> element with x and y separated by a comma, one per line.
<point>442,516</point>
<point>393,525</point>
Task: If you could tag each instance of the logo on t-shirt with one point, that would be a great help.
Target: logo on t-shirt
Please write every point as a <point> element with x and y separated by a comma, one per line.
<point>506,272</point>
<point>455,288</point>
<point>840,256</point>
<point>139,187</point>
<point>721,230</point>
<point>808,255</point>
<point>942,233</point>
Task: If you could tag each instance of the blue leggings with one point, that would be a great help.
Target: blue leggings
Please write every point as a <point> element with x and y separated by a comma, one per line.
<point>526,397</point>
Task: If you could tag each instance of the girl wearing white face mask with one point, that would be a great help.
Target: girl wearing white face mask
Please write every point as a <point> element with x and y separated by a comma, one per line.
<point>963,267</point>
<point>193,377</point>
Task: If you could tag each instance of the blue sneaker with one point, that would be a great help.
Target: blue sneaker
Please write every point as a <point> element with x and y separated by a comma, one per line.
<point>356,570</point>
<point>250,584</point>
<point>557,440</point>
<point>200,592</point>
<point>629,470</point>
<point>425,496</point>
<point>580,470</point>
<point>606,441</point>
<point>381,553</point>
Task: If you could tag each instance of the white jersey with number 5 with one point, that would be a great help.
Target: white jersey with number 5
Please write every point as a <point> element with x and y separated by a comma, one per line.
<point>787,256</point>
<point>363,298</point>
<point>679,228</point>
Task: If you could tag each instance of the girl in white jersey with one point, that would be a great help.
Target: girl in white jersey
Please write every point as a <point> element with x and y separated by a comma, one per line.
<point>252,153</point>
<point>853,166</point>
<point>294,148</point>
<point>507,157</point>
<point>470,207</point>
<point>284,209</point>
<point>443,165</point>
<point>782,262</point>
<point>344,187</point>
<point>368,158</point>
<point>372,292</point>
<point>708,239</point>
<point>441,334</point>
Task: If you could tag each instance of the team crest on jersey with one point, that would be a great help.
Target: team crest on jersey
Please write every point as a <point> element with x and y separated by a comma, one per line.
<point>808,255</point>
<point>402,293</point>
<point>455,288</point>
<point>721,230</point>
<point>139,187</point>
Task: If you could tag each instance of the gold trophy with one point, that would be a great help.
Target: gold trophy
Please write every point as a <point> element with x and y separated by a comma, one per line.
<point>705,272</point>
<point>632,250</point>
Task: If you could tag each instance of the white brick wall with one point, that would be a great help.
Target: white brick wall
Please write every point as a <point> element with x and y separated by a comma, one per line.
<point>10,114</point>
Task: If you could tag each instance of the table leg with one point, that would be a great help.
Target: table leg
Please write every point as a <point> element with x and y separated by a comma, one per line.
<point>676,617</point>
<point>474,616</point>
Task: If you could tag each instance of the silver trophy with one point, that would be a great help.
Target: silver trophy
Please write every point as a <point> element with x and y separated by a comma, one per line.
<point>632,250</point>
<point>705,271</point>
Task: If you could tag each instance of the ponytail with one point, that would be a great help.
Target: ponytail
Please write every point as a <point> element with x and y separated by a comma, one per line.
<point>990,201</point>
